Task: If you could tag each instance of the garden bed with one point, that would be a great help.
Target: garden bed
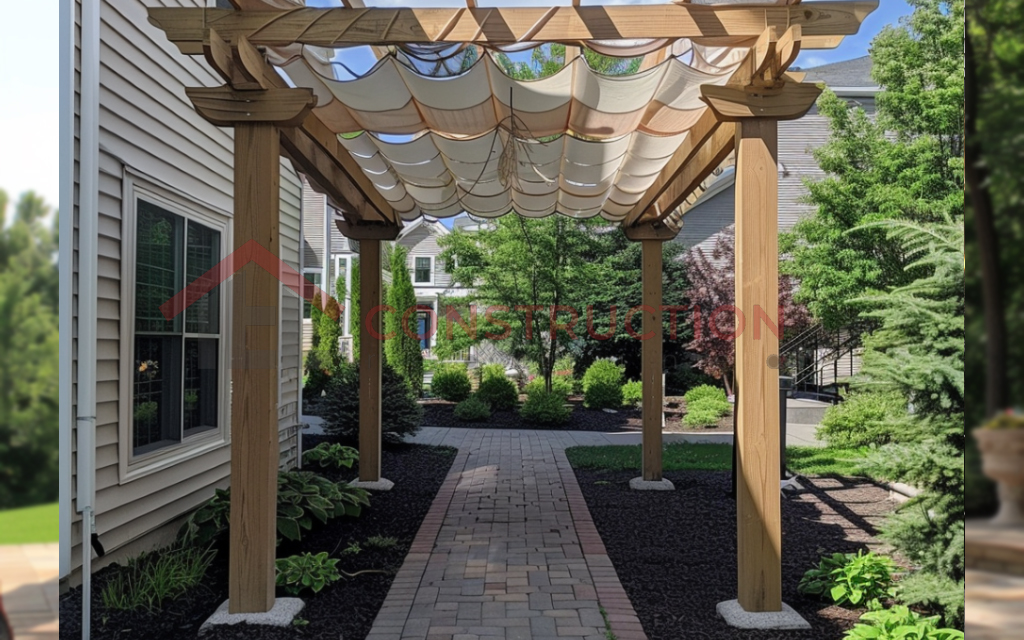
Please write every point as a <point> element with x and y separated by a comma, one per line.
<point>344,610</point>
<point>675,552</point>
<point>440,413</point>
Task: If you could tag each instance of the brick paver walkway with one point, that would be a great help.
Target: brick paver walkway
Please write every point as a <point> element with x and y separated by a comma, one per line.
<point>995,606</point>
<point>28,585</point>
<point>508,550</point>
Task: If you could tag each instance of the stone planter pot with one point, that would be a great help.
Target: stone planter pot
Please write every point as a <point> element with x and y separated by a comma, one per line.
<point>1002,456</point>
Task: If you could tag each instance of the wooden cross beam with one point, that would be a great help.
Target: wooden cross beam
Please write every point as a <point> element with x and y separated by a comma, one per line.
<point>308,142</point>
<point>708,144</point>
<point>719,25</point>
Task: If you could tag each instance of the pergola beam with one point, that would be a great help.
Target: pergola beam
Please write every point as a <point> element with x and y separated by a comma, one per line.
<point>723,25</point>
<point>312,145</point>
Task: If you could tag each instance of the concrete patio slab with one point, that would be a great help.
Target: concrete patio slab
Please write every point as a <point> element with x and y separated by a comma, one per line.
<point>28,585</point>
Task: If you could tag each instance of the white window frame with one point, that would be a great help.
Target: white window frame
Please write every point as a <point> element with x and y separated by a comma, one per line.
<point>412,267</point>
<point>310,271</point>
<point>131,466</point>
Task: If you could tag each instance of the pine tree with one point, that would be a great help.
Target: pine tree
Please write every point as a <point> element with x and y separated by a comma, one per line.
<point>328,328</point>
<point>402,348</point>
<point>354,312</point>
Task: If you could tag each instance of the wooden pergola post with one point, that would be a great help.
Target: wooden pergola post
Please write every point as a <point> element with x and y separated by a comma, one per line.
<point>256,299</point>
<point>758,495</point>
<point>371,359</point>
<point>254,374</point>
<point>653,393</point>
<point>651,237</point>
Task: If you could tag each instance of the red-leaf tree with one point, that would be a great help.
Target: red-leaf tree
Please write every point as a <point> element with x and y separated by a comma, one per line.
<point>712,296</point>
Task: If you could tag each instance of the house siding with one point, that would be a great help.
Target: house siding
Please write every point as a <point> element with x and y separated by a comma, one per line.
<point>150,134</point>
<point>422,241</point>
<point>798,139</point>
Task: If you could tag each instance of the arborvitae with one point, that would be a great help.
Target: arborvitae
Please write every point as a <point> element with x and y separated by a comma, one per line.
<point>402,348</point>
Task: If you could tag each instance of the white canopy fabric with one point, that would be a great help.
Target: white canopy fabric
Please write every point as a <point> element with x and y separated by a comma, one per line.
<point>576,143</point>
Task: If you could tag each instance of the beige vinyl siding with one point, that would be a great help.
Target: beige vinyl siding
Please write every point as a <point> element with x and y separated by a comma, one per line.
<point>798,139</point>
<point>314,207</point>
<point>150,134</point>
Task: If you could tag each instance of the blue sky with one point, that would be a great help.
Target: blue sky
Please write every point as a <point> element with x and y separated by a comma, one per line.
<point>29,91</point>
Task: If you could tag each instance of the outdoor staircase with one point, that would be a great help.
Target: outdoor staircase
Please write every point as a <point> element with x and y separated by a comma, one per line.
<point>818,358</point>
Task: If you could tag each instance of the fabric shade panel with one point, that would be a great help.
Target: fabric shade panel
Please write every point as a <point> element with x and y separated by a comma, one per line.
<point>395,99</point>
<point>441,177</point>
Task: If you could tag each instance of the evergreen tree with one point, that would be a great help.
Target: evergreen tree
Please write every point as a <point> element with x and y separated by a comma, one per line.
<point>328,328</point>
<point>29,433</point>
<point>918,350</point>
<point>354,312</point>
<point>402,348</point>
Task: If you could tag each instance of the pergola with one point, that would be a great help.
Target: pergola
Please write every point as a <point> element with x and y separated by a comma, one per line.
<point>635,150</point>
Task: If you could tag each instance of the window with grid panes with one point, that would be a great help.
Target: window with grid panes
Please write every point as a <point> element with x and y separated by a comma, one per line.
<point>176,362</point>
<point>423,271</point>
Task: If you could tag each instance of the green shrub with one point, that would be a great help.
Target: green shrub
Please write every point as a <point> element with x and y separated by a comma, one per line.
<point>632,393</point>
<point>543,407</point>
<point>563,385</point>
<point>900,623</point>
<point>400,413</point>
<point>381,542</point>
<point>330,454</point>
<point>151,579</point>
<point>602,385</point>
<point>301,497</point>
<point>451,383</point>
<point>500,393</point>
<point>851,580</point>
<point>316,376</point>
<point>296,574</point>
<point>493,370</point>
<point>472,409</point>
<point>683,377</point>
<point>862,419</point>
<point>699,416</point>
<point>705,392</point>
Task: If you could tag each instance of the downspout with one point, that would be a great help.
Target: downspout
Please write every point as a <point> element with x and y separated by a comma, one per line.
<point>65,260</point>
<point>88,250</point>
<point>302,306</point>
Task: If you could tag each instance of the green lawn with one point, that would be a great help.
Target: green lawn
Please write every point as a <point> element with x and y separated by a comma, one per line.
<point>827,461</point>
<point>810,461</point>
<point>677,457</point>
<point>30,525</point>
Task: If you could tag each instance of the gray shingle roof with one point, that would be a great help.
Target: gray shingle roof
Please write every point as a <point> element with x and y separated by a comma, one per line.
<point>848,73</point>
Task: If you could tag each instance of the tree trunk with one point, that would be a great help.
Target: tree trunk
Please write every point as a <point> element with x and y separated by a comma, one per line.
<point>988,248</point>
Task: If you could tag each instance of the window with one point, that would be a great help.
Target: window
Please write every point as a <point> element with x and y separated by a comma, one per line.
<point>424,271</point>
<point>313,278</point>
<point>176,362</point>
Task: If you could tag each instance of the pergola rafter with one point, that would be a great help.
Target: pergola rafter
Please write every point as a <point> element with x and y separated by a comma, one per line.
<point>715,25</point>
<point>739,119</point>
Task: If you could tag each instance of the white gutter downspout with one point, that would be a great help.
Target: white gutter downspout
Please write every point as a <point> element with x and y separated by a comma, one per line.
<point>302,306</point>
<point>88,250</point>
<point>65,258</point>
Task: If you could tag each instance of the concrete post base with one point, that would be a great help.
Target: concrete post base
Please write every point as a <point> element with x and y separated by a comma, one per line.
<point>639,484</point>
<point>379,485</point>
<point>787,619</point>
<point>282,615</point>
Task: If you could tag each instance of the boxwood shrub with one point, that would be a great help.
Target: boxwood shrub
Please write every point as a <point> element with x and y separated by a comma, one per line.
<point>632,393</point>
<point>472,409</point>
<point>602,385</point>
<point>545,407</point>
<point>451,383</point>
<point>500,393</point>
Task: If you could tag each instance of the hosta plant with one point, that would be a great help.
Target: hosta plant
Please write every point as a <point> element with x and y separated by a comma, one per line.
<point>328,454</point>
<point>851,580</point>
<point>303,496</point>
<point>900,623</point>
<point>296,574</point>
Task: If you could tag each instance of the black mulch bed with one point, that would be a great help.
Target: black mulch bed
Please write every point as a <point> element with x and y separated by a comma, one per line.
<point>439,413</point>
<point>675,552</point>
<point>344,610</point>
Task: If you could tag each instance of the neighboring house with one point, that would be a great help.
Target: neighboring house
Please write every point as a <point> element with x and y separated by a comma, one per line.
<point>153,199</point>
<point>329,256</point>
<point>798,139</point>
